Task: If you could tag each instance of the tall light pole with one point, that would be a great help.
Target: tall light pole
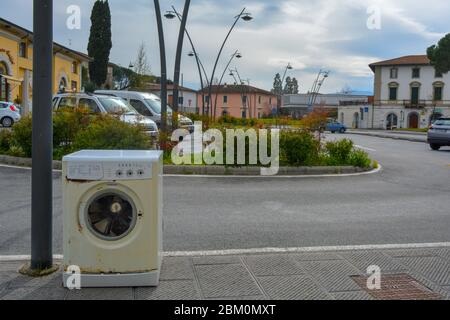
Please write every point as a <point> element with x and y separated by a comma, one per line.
<point>171,15</point>
<point>280,92</point>
<point>237,55</point>
<point>244,16</point>
<point>176,77</point>
<point>42,178</point>
<point>162,54</point>
<point>315,90</point>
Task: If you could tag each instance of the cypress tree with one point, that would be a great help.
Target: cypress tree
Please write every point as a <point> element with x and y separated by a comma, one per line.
<point>100,42</point>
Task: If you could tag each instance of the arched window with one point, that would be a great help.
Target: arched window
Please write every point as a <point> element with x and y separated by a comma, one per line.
<point>3,68</point>
<point>62,85</point>
<point>393,91</point>
<point>438,91</point>
<point>392,121</point>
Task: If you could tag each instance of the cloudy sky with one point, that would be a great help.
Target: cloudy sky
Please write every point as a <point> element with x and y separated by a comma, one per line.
<point>329,34</point>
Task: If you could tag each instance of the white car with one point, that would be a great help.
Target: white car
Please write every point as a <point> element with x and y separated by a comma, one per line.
<point>108,105</point>
<point>9,114</point>
<point>148,105</point>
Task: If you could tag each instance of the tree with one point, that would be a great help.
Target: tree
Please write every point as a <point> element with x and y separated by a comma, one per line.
<point>277,85</point>
<point>288,86</point>
<point>100,43</point>
<point>295,86</point>
<point>439,55</point>
<point>141,65</point>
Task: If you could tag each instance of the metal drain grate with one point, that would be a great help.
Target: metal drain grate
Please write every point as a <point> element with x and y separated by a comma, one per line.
<point>398,287</point>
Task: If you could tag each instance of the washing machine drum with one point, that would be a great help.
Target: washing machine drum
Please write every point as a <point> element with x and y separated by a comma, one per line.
<point>111,216</point>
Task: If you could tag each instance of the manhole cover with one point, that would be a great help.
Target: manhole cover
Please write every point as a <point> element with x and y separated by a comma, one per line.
<point>398,287</point>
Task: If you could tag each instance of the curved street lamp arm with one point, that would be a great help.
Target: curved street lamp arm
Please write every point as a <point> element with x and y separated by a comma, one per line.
<point>197,58</point>
<point>176,78</point>
<point>220,53</point>
<point>221,79</point>
<point>162,53</point>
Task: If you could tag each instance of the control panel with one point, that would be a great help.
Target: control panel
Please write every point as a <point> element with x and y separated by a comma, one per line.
<point>109,171</point>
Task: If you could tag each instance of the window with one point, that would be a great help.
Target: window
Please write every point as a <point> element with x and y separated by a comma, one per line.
<point>180,101</point>
<point>244,99</point>
<point>415,93</point>
<point>206,99</point>
<point>74,86</point>
<point>393,91</point>
<point>141,108</point>
<point>438,91</point>
<point>259,99</point>
<point>67,103</point>
<point>437,74</point>
<point>74,67</point>
<point>225,99</point>
<point>394,73</point>
<point>270,101</point>
<point>23,50</point>
<point>416,73</point>
<point>89,104</point>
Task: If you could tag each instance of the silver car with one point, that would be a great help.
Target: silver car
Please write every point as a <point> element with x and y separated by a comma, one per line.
<point>439,134</point>
<point>105,104</point>
<point>9,114</point>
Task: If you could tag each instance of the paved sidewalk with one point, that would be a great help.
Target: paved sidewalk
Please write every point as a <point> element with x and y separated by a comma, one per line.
<point>396,135</point>
<point>286,276</point>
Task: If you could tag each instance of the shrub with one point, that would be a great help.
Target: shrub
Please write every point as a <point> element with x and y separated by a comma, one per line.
<point>339,152</point>
<point>5,140</point>
<point>299,148</point>
<point>22,135</point>
<point>108,133</point>
<point>359,158</point>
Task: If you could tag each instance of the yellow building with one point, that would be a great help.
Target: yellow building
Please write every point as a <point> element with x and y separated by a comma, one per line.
<point>16,65</point>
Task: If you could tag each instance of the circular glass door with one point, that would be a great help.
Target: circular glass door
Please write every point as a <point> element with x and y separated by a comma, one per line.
<point>111,216</point>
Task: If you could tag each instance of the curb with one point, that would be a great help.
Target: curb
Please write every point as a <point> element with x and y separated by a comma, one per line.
<point>388,136</point>
<point>217,170</point>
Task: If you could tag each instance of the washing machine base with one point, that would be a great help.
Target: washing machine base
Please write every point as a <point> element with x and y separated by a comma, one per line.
<point>147,279</point>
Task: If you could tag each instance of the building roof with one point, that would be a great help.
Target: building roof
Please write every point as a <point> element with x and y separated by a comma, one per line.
<point>413,60</point>
<point>157,87</point>
<point>238,89</point>
<point>25,33</point>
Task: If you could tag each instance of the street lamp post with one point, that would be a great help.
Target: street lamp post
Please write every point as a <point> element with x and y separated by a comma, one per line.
<point>42,178</point>
<point>162,54</point>
<point>244,16</point>
<point>280,92</point>
<point>171,15</point>
<point>176,77</point>
<point>237,55</point>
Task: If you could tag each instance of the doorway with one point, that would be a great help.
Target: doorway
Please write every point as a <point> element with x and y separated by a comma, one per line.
<point>413,120</point>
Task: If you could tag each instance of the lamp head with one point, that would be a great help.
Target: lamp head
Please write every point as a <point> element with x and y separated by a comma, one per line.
<point>247,17</point>
<point>170,15</point>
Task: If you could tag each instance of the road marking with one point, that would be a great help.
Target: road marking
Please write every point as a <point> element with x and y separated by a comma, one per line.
<point>374,171</point>
<point>7,258</point>
<point>365,148</point>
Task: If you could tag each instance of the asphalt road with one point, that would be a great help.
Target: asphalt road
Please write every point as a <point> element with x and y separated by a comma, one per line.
<point>408,202</point>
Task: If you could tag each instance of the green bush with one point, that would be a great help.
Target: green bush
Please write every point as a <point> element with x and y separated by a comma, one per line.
<point>339,152</point>
<point>109,133</point>
<point>5,140</point>
<point>359,158</point>
<point>299,148</point>
<point>22,135</point>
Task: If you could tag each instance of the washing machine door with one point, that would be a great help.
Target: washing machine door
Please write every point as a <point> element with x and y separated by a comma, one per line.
<point>110,215</point>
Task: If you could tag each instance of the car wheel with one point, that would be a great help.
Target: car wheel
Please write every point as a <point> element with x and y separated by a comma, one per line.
<point>7,122</point>
<point>435,147</point>
<point>342,130</point>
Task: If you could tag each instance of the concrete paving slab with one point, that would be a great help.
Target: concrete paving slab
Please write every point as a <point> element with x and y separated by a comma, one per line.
<point>271,265</point>
<point>170,290</point>
<point>293,288</point>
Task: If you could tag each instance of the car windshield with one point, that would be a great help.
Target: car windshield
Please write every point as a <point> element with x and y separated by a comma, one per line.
<point>117,105</point>
<point>443,122</point>
<point>156,106</point>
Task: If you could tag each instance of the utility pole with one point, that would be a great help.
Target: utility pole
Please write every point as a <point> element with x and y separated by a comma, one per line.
<point>42,178</point>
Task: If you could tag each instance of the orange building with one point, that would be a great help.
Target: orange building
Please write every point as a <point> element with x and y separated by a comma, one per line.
<point>239,101</point>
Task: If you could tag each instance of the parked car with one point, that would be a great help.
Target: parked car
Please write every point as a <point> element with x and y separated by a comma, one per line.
<point>335,126</point>
<point>107,105</point>
<point>439,134</point>
<point>9,114</point>
<point>149,105</point>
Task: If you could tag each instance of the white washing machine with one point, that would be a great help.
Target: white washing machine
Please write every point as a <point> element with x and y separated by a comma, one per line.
<point>112,202</point>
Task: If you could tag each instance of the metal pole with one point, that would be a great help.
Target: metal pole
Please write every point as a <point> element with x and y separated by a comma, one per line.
<point>218,57</point>
<point>220,82</point>
<point>197,59</point>
<point>176,77</point>
<point>162,54</point>
<point>42,178</point>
